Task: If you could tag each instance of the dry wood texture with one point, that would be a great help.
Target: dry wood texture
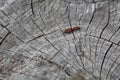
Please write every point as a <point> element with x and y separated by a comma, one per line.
<point>34,45</point>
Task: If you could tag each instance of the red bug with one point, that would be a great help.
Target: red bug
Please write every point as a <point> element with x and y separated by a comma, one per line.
<point>68,30</point>
<point>76,28</point>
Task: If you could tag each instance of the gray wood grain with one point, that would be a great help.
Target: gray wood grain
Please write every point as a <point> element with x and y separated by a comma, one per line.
<point>33,45</point>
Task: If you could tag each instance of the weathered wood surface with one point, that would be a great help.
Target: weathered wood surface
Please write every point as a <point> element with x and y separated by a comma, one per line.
<point>33,45</point>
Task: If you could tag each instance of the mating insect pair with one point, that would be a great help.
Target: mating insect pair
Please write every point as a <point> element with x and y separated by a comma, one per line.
<point>69,30</point>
